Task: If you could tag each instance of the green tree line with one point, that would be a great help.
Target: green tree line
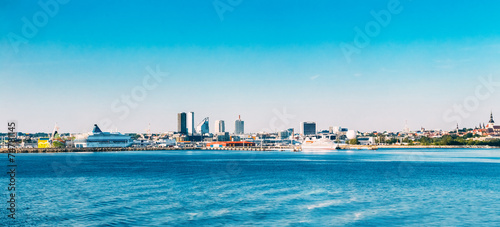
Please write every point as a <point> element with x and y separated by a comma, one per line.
<point>457,140</point>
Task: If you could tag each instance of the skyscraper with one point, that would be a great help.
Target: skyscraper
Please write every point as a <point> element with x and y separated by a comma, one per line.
<point>190,123</point>
<point>202,127</point>
<point>181,123</point>
<point>308,128</point>
<point>219,126</point>
<point>239,126</point>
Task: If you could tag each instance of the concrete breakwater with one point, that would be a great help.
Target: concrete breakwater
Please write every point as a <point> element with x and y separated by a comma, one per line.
<point>266,148</point>
<point>93,149</point>
<point>438,146</point>
<point>116,149</point>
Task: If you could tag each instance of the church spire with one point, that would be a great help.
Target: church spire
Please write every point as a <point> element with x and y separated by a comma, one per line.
<point>491,118</point>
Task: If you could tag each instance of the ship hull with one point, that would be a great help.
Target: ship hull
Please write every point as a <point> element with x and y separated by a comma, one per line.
<point>321,146</point>
<point>318,148</point>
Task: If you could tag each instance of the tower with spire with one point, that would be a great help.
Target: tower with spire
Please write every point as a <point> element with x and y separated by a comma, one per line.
<point>406,129</point>
<point>491,123</point>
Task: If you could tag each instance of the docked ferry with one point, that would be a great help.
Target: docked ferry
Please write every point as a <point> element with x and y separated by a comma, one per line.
<point>98,138</point>
<point>311,144</point>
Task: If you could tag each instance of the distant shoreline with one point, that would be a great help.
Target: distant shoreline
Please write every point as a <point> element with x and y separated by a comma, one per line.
<point>425,146</point>
<point>93,149</point>
<point>345,147</point>
<point>442,146</point>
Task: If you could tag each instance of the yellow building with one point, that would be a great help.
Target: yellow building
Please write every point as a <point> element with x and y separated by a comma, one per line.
<point>43,143</point>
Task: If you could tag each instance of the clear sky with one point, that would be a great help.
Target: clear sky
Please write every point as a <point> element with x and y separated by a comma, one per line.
<point>72,63</point>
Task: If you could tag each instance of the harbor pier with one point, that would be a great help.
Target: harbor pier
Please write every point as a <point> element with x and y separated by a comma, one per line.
<point>117,149</point>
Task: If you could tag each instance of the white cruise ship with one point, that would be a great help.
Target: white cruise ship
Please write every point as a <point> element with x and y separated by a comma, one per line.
<point>312,144</point>
<point>98,138</point>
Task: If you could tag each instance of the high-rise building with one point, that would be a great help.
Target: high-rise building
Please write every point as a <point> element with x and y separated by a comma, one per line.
<point>239,126</point>
<point>202,127</point>
<point>181,123</point>
<point>308,128</point>
<point>190,123</point>
<point>219,126</point>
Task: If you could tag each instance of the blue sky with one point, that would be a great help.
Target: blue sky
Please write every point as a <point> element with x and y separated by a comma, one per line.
<point>263,57</point>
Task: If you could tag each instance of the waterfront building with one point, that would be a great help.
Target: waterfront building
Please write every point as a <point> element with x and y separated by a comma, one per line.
<point>239,126</point>
<point>263,135</point>
<point>284,134</point>
<point>307,128</point>
<point>181,138</point>
<point>223,136</point>
<point>98,138</point>
<point>202,127</point>
<point>195,138</point>
<point>43,143</point>
<point>366,140</point>
<point>219,126</point>
<point>190,123</point>
<point>142,142</point>
<point>338,130</point>
<point>166,143</point>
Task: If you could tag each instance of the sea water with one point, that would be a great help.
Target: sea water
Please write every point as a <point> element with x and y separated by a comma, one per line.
<point>212,188</point>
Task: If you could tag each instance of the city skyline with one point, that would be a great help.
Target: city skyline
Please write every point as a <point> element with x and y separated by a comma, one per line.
<point>262,60</point>
<point>250,113</point>
<point>182,127</point>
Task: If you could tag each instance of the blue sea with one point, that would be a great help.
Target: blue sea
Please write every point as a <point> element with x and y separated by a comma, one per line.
<point>386,187</point>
